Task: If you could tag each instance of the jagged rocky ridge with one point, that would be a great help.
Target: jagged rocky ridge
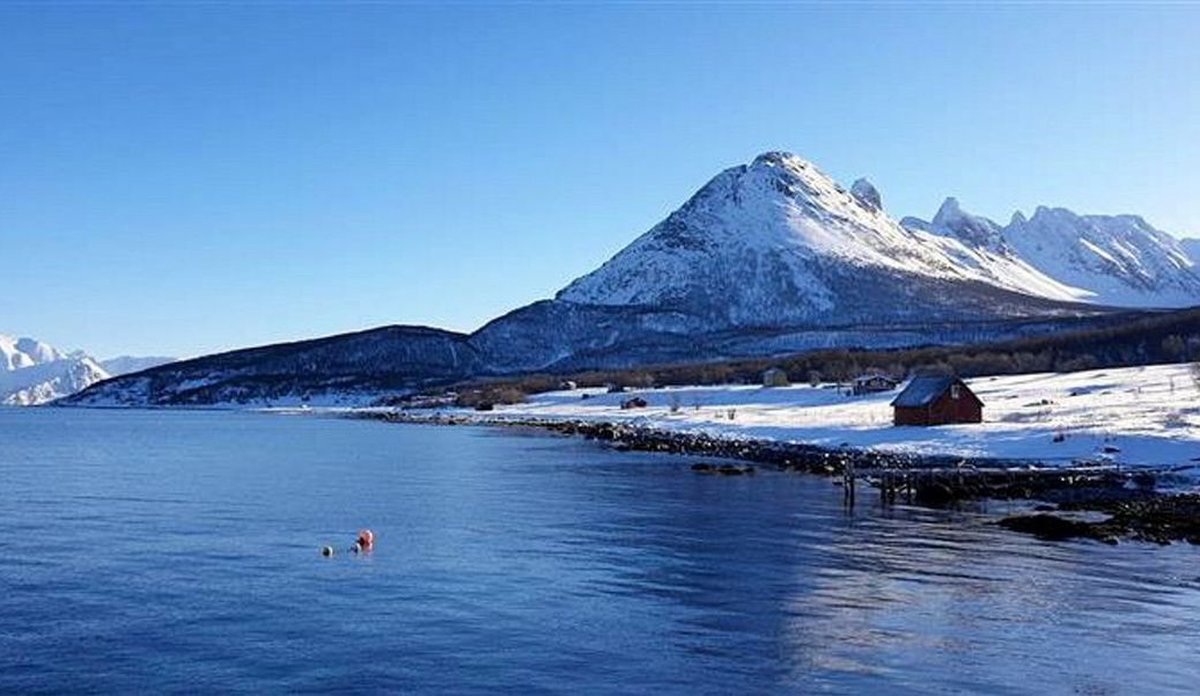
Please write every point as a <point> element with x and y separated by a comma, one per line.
<point>1104,259</point>
<point>766,258</point>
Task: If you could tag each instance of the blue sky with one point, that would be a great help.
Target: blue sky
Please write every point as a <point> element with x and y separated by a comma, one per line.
<point>181,178</point>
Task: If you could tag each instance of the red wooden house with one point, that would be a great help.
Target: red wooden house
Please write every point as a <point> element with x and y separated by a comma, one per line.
<point>936,401</point>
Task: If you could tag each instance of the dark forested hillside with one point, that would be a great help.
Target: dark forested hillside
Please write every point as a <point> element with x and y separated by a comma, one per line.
<point>1140,339</point>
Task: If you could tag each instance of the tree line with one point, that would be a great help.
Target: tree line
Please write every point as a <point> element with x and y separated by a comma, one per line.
<point>1169,337</point>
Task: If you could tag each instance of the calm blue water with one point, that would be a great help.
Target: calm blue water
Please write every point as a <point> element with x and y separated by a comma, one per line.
<point>167,552</point>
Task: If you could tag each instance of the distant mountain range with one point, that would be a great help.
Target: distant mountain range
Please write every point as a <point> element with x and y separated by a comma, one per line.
<point>1118,260</point>
<point>33,372</point>
<point>766,258</point>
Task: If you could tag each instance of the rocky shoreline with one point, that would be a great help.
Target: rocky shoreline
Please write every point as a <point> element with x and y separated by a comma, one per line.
<point>1131,507</point>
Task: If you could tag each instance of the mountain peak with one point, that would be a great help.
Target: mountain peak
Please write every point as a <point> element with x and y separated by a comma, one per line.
<point>949,211</point>
<point>23,352</point>
<point>977,231</point>
<point>779,158</point>
<point>865,192</point>
<point>771,241</point>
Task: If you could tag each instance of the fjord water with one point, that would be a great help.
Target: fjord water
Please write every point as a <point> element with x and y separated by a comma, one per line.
<point>178,551</point>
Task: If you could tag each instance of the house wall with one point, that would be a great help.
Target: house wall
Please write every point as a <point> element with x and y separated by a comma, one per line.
<point>965,409</point>
<point>910,416</point>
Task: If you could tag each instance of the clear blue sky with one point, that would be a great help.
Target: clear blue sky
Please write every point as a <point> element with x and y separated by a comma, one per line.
<point>181,178</point>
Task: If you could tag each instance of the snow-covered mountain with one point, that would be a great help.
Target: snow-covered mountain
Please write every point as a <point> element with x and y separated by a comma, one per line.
<point>45,382</point>
<point>778,242</point>
<point>769,257</point>
<point>16,353</point>
<point>32,372</point>
<point>1118,260</point>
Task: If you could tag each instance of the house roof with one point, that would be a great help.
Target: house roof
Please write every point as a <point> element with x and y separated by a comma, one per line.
<point>922,391</point>
<point>873,376</point>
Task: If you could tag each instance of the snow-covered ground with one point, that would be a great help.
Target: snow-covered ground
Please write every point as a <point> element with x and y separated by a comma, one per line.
<point>1151,414</point>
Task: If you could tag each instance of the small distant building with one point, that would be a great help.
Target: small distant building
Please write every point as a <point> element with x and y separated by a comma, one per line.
<point>775,377</point>
<point>614,388</point>
<point>873,383</point>
<point>429,401</point>
<point>936,401</point>
<point>635,402</point>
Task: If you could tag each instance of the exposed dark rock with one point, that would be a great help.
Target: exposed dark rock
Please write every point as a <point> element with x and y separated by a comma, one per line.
<point>1158,519</point>
<point>1050,527</point>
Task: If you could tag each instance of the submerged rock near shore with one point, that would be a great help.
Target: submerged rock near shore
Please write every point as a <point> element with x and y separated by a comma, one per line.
<point>1159,519</point>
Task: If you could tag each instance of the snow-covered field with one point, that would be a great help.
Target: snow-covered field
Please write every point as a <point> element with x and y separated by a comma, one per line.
<point>1150,414</point>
